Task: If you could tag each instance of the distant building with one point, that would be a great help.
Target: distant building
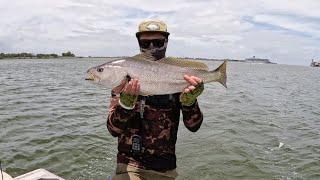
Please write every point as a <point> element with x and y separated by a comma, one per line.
<point>257,60</point>
<point>315,63</point>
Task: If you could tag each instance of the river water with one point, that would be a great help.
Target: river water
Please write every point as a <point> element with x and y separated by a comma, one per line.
<point>266,125</point>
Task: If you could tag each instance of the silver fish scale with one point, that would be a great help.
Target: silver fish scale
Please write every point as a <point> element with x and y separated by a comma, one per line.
<point>158,78</point>
<point>154,77</point>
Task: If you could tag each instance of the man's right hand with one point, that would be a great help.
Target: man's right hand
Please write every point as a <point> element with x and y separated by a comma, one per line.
<point>129,95</point>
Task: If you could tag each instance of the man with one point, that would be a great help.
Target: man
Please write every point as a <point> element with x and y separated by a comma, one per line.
<point>147,127</point>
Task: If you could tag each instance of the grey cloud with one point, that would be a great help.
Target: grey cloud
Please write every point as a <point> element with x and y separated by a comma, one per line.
<point>213,28</point>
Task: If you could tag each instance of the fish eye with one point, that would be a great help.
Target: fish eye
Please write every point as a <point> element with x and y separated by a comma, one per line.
<point>100,69</point>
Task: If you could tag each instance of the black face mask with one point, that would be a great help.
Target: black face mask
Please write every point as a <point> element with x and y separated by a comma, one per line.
<point>155,47</point>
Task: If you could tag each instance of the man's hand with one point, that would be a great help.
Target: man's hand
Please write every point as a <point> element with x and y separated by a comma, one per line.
<point>190,93</point>
<point>129,95</point>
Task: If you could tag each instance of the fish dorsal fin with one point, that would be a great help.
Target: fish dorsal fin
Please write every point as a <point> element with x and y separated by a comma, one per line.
<point>144,56</point>
<point>184,63</point>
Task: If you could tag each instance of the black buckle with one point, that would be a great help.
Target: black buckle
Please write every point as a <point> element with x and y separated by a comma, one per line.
<point>136,148</point>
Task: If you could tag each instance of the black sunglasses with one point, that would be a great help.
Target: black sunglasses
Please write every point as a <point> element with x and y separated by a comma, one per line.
<point>145,43</point>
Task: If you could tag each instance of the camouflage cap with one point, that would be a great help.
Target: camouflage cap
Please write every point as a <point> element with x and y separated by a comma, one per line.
<point>152,26</point>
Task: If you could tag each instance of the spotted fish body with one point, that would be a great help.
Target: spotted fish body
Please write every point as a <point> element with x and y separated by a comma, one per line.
<point>156,77</point>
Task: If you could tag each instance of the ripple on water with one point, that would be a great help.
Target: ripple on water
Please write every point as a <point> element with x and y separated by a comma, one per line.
<point>50,118</point>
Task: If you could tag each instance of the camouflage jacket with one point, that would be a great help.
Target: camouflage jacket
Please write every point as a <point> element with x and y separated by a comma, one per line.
<point>157,126</point>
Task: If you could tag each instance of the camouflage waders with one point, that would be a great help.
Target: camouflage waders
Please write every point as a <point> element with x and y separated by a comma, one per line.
<point>156,120</point>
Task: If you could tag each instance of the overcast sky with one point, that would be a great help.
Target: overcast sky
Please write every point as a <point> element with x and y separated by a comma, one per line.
<point>285,31</point>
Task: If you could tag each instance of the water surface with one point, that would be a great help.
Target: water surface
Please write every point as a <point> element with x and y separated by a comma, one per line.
<point>51,118</point>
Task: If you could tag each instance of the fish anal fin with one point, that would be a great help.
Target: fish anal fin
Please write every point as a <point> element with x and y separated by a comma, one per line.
<point>145,93</point>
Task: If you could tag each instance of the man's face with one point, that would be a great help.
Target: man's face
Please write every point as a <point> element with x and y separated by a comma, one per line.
<point>153,43</point>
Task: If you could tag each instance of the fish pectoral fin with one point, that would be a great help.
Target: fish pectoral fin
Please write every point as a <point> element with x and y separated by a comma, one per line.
<point>127,78</point>
<point>118,88</point>
<point>119,85</point>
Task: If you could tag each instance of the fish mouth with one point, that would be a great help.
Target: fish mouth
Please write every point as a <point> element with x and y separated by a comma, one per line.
<point>92,77</point>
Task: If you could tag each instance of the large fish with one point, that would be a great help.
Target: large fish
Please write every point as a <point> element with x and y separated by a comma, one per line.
<point>164,76</point>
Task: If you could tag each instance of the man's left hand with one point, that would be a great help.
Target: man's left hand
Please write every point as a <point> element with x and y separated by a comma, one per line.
<point>190,93</point>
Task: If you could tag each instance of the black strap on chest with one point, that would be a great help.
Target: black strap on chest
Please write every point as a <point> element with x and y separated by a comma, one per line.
<point>137,149</point>
<point>161,101</point>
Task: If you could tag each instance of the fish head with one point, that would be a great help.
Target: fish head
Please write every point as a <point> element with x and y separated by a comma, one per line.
<point>110,73</point>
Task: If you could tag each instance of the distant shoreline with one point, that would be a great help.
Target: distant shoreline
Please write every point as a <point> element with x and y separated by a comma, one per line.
<point>26,55</point>
<point>70,55</point>
<point>107,57</point>
<point>60,57</point>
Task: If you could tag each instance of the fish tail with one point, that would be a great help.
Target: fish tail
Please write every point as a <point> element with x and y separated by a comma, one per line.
<point>222,70</point>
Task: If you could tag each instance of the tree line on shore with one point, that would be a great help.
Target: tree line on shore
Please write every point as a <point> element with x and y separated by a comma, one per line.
<point>30,55</point>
